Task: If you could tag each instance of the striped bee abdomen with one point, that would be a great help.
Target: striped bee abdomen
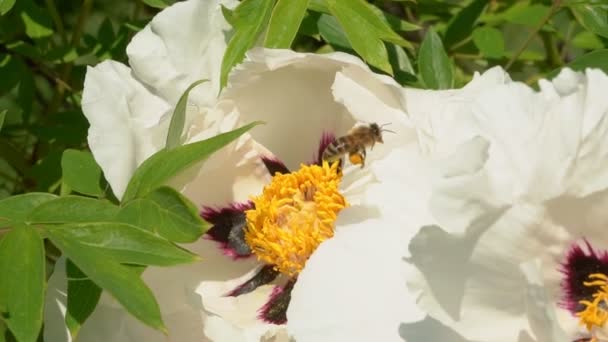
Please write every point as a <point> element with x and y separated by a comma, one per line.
<point>336,149</point>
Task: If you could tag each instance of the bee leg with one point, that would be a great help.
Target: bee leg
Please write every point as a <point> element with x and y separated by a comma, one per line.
<point>363,154</point>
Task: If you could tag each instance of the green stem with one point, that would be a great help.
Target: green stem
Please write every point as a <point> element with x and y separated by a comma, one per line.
<point>533,33</point>
<point>553,56</point>
<point>50,5</point>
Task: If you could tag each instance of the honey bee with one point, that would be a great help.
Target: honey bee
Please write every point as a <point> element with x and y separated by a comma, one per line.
<point>354,143</point>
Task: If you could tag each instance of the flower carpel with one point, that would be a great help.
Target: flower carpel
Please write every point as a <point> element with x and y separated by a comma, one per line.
<point>293,215</point>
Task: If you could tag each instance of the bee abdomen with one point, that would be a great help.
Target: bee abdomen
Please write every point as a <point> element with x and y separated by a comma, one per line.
<point>335,149</point>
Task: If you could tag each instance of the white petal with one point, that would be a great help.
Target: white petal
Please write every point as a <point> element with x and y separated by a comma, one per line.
<point>292,93</point>
<point>182,44</point>
<point>125,121</point>
<point>353,290</point>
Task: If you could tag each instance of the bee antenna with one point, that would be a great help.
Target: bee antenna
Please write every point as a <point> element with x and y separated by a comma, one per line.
<point>388,130</point>
<point>386,124</point>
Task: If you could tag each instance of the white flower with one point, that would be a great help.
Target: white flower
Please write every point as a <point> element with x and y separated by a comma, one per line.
<point>521,210</point>
<point>351,288</point>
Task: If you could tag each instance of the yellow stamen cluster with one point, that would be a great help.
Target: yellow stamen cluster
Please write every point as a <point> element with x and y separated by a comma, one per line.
<point>294,214</point>
<point>595,313</point>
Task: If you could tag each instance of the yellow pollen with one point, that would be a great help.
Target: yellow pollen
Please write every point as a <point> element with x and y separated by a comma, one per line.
<point>595,312</point>
<point>293,215</point>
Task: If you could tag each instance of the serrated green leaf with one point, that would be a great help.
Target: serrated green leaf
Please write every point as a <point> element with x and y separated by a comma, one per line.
<point>228,15</point>
<point>434,65</point>
<point>592,17</point>
<point>118,280</point>
<point>83,296</point>
<point>6,5</point>
<point>17,208</point>
<point>595,59</point>
<point>156,3</point>
<point>489,41</point>
<point>73,209</point>
<point>249,19</point>
<point>176,127</point>
<point>2,117</point>
<point>331,31</point>
<point>364,31</point>
<point>22,282</point>
<point>166,164</point>
<point>37,22</point>
<point>284,23</point>
<point>166,212</point>
<point>122,242</point>
<point>461,25</point>
<point>81,172</point>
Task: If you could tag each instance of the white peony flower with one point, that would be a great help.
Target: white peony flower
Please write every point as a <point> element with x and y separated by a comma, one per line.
<point>253,280</point>
<point>518,252</point>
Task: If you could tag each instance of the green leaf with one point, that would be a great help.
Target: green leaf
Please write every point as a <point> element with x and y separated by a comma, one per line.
<point>461,25</point>
<point>6,5</point>
<point>284,23</point>
<point>156,3</point>
<point>166,212</point>
<point>22,282</point>
<point>249,19</point>
<point>122,242</point>
<point>73,209</point>
<point>120,281</point>
<point>176,127</point>
<point>592,17</point>
<point>523,13</point>
<point>331,31</point>
<point>81,172</point>
<point>37,22</point>
<point>166,164</point>
<point>489,41</point>
<point>17,208</point>
<point>404,72</point>
<point>2,117</point>
<point>357,20</point>
<point>596,59</point>
<point>434,65</point>
<point>83,296</point>
<point>587,40</point>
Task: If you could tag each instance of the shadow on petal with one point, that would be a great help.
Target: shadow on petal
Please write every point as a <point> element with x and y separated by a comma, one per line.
<point>429,329</point>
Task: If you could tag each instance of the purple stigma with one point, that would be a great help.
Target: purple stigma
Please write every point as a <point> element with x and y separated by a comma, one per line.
<point>228,228</point>
<point>581,261</point>
<point>326,139</point>
<point>274,165</point>
<point>275,310</point>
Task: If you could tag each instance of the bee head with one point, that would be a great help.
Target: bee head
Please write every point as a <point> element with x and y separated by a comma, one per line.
<point>376,132</point>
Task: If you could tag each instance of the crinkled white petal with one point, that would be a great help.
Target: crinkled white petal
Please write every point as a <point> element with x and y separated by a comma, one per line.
<point>352,287</point>
<point>182,44</point>
<point>519,196</point>
<point>125,119</point>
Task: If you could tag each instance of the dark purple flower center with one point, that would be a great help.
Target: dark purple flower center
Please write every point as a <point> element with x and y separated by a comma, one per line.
<point>585,285</point>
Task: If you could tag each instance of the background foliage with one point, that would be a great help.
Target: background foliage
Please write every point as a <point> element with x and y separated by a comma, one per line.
<point>60,203</point>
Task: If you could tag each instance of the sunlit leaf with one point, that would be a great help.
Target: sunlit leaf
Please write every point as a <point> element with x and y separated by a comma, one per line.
<point>176,127</point>
<point>332,32</point>
<point>81,172</point>
<point>22,282</point>
<point>2,116</point>
<point>124,243</point>
<point>591,16</point>
<point>156,3</point>
<point>6,5</point>
<point>73,209</point>
<point>489,41</point>
<point>249,19</point>
<point>120,281</point>
<point>284,23</point>
<point>37,22</point>
<point>433,63</point>
<point>17,208</point>
<point>166,212</point>
<point>595,59</point>
<point>166,164</point>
